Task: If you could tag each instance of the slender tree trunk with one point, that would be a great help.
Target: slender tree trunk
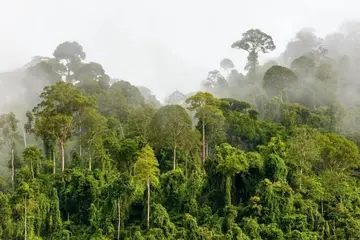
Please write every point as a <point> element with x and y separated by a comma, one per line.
<point>62,154</point>
<point>80,150</point>
<point>174,158</point>
<point>301,173</point>
<point>12,165</point>
<point>119,219</point>
<point>301,170</point>
<point>228,190</point>
<point>24,135</point>
<point>32,169</point>
<point>54,162</point>
<point>25,218</point>
<point>186,167</point>
<point>148,204</point>
<point>121,129</point>
<point>203,143</point>
<point>207,149</point>
<point>90,162</point>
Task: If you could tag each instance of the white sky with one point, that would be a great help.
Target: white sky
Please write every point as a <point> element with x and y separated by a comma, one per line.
<point>161,44</point>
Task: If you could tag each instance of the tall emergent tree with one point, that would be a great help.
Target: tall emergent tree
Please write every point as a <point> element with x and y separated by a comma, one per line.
<point>9,132</point>
<point>147,172</point>
<point>170,126</point>
<point>69,56</point>
<point>254,41</point>
<point>227,65</point>
<point>216,83</point>
<point>208,113</point>
<point>58,113</point>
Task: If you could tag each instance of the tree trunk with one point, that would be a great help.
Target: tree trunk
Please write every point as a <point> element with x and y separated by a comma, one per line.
<point>80,150</point>
<point>119,220</point>
<point>174,160</point>
<point>207,149</point>
<point>186,167</point>
<point>301,173</point>
<point>54,162</point>
<point>32,169</point>
<point>62,155</point>
<point>121,129</point>
<point>228,190</point>
<point>90,162</point>
<point>24,135</point>
<point>203,143</point>
<point>301,170</point>
<point>12,165</point>
<point>148,204</point>
<point>25,223</point>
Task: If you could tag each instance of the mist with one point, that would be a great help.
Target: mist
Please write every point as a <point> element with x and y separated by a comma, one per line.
<point>153,44</point>
<point>179,119</point>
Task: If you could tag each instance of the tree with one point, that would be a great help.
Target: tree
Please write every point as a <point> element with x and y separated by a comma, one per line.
<point>303,67</point>
<point>305,42</point>
<point>119,191</point>
<point>232,105</point>
<point>303,152</point>
<point>147,172</point>
<point>150,98</point>
<point>92,71</point>
<point>216,83</point>
<point>227,65</point>
<point>175,98</point>
<point>6,222</point>
<point>118,100</point>
<point>236,81</point>
<point>140,118</point>
<point>93,132</point>
<point>8,127</point>
<point>337,153</point>
<point>58,113</point>
<point>278,78</point>
<point>39,74</point>
<point>131,93</point>
<point>254,41</point>
<point>325,73</point>
<point>25,207</point>
<point>170,127</point>
<point>70,56</point>
<point>231,162</point>
<point>207,112</point>
<point>32,157</point>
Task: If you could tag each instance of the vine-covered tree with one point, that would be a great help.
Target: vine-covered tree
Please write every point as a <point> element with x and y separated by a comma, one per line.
<point>147,173</point>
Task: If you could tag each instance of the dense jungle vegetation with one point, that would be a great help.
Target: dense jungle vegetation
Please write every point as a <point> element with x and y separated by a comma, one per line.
<point>272,154</point>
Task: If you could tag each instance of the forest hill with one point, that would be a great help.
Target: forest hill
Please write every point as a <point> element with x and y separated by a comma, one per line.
<point>266,155</point>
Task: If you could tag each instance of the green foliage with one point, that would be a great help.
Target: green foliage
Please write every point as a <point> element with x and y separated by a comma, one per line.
<point>277,159</point>
<point>303,66</point>
<point>171,127</point>
<point>337,153</point>
<point>146,167</point>
<point>278,78</point>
